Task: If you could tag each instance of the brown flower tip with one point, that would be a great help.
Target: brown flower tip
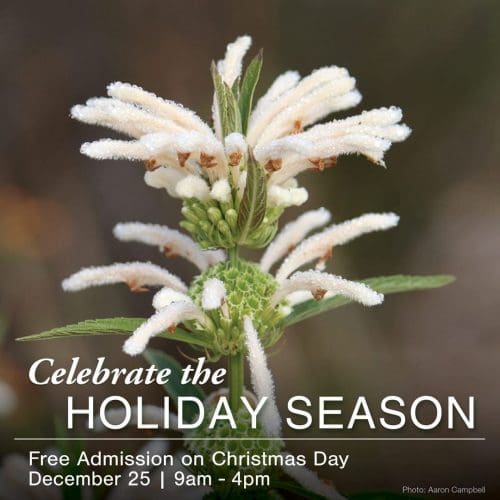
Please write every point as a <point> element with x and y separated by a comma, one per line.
<point>182,158</point>
<point>273,165</point>
<point>135,287</point>
<point>297,127</point>
<point>172,328</point>
<point>326,256</point>
<point>235,158</point>
<point>168,252</point>
<point>319,293</point>
<point>150,165</point>
<point>321,163</point>
<point>207,161</point>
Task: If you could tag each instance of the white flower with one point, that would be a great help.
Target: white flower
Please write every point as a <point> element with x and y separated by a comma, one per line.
<point>319,245</point>
<point>213,295</point>
<point>262,380</point>
<point>170,138</point>
<point>166,318</point>
<point>318,283</point>
<point>293,233</point>
<point>169,241</point>
<point>221,191</point>
<point>137,275</point>
<point>167,296</point>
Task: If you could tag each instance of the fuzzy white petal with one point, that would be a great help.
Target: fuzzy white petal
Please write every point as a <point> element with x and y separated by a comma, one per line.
<point>164,178</point>
<point>262,380</point>
<point>306,86</point>
<point>213,295</point>
<point>166,239</point>
<point>167,296</point>
<point>167,109</point>
<point>281,84</point>
<point>221,191</point>
<point>135,274</point>
<point>230,66</point>
<point>310,480</point>
<point>193,187</point>
<point>235,143</point>
<point>308,108</point>
<point>318,245</point>
<point>151,414</point>
<point>314,281</point>
<point>279,196</point>
<point>293,233</point>
<point>122,117</point>
<point>162,320</point>
<point>110,149</point>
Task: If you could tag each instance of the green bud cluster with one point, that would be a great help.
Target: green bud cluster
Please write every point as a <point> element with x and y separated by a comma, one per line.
<point>210,223</point>
<point>255,443</point>
<point>215,225</point>
<point>249,290</point>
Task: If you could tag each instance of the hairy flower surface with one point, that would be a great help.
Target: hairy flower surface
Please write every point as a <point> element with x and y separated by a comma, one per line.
<point>207,167</point>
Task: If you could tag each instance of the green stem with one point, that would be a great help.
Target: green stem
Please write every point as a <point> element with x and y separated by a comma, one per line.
<point>233,255</point>
<point>236,379</point>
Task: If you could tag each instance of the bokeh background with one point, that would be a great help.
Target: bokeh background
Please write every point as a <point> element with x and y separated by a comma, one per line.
<point>438,60</point>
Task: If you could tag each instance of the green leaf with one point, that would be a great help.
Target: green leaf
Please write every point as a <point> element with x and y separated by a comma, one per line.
<point>111,326</point>
<point>384,284</point>
<point>174,388</point>
<point>248,85</point>
<point>229,110</point>
<point>254,200</point>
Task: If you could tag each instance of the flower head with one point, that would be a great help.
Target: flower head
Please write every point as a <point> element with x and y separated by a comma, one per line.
<point>207,167</point>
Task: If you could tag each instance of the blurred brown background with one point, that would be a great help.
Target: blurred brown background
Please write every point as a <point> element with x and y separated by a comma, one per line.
<point>438,60</point>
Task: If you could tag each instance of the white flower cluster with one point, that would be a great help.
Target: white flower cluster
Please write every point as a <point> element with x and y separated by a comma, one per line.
<point>190,160</point>
<point>172,303</point>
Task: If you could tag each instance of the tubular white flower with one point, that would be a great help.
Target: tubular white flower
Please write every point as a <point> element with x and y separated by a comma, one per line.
<point>319,283</point>
<point>281,84</point>
<point>110,149</point>
<point>136,275</point>
<point>170,110</point>
<point>307,85</point>
<point>167,296</point>
<point>230,66</point>
<point>262,380</point>
<point>150,414</point>
<point>164,178</point>
<point>122,117</point>
<point>213,295</point>
<point>308,108</point>
<point>221,191</point>
<point>310,480</point>
<point>293,233</point>
<point>279,196</point>
<point>186,147</point>
<point>235,143</point>
<point>193,187</point>
<point>319,245</point>
<point>169,241</point>
<point>164,319</point>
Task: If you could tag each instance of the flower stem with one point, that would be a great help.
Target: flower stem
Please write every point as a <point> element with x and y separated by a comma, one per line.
<point>236,377</point>
<point>233,255</point>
